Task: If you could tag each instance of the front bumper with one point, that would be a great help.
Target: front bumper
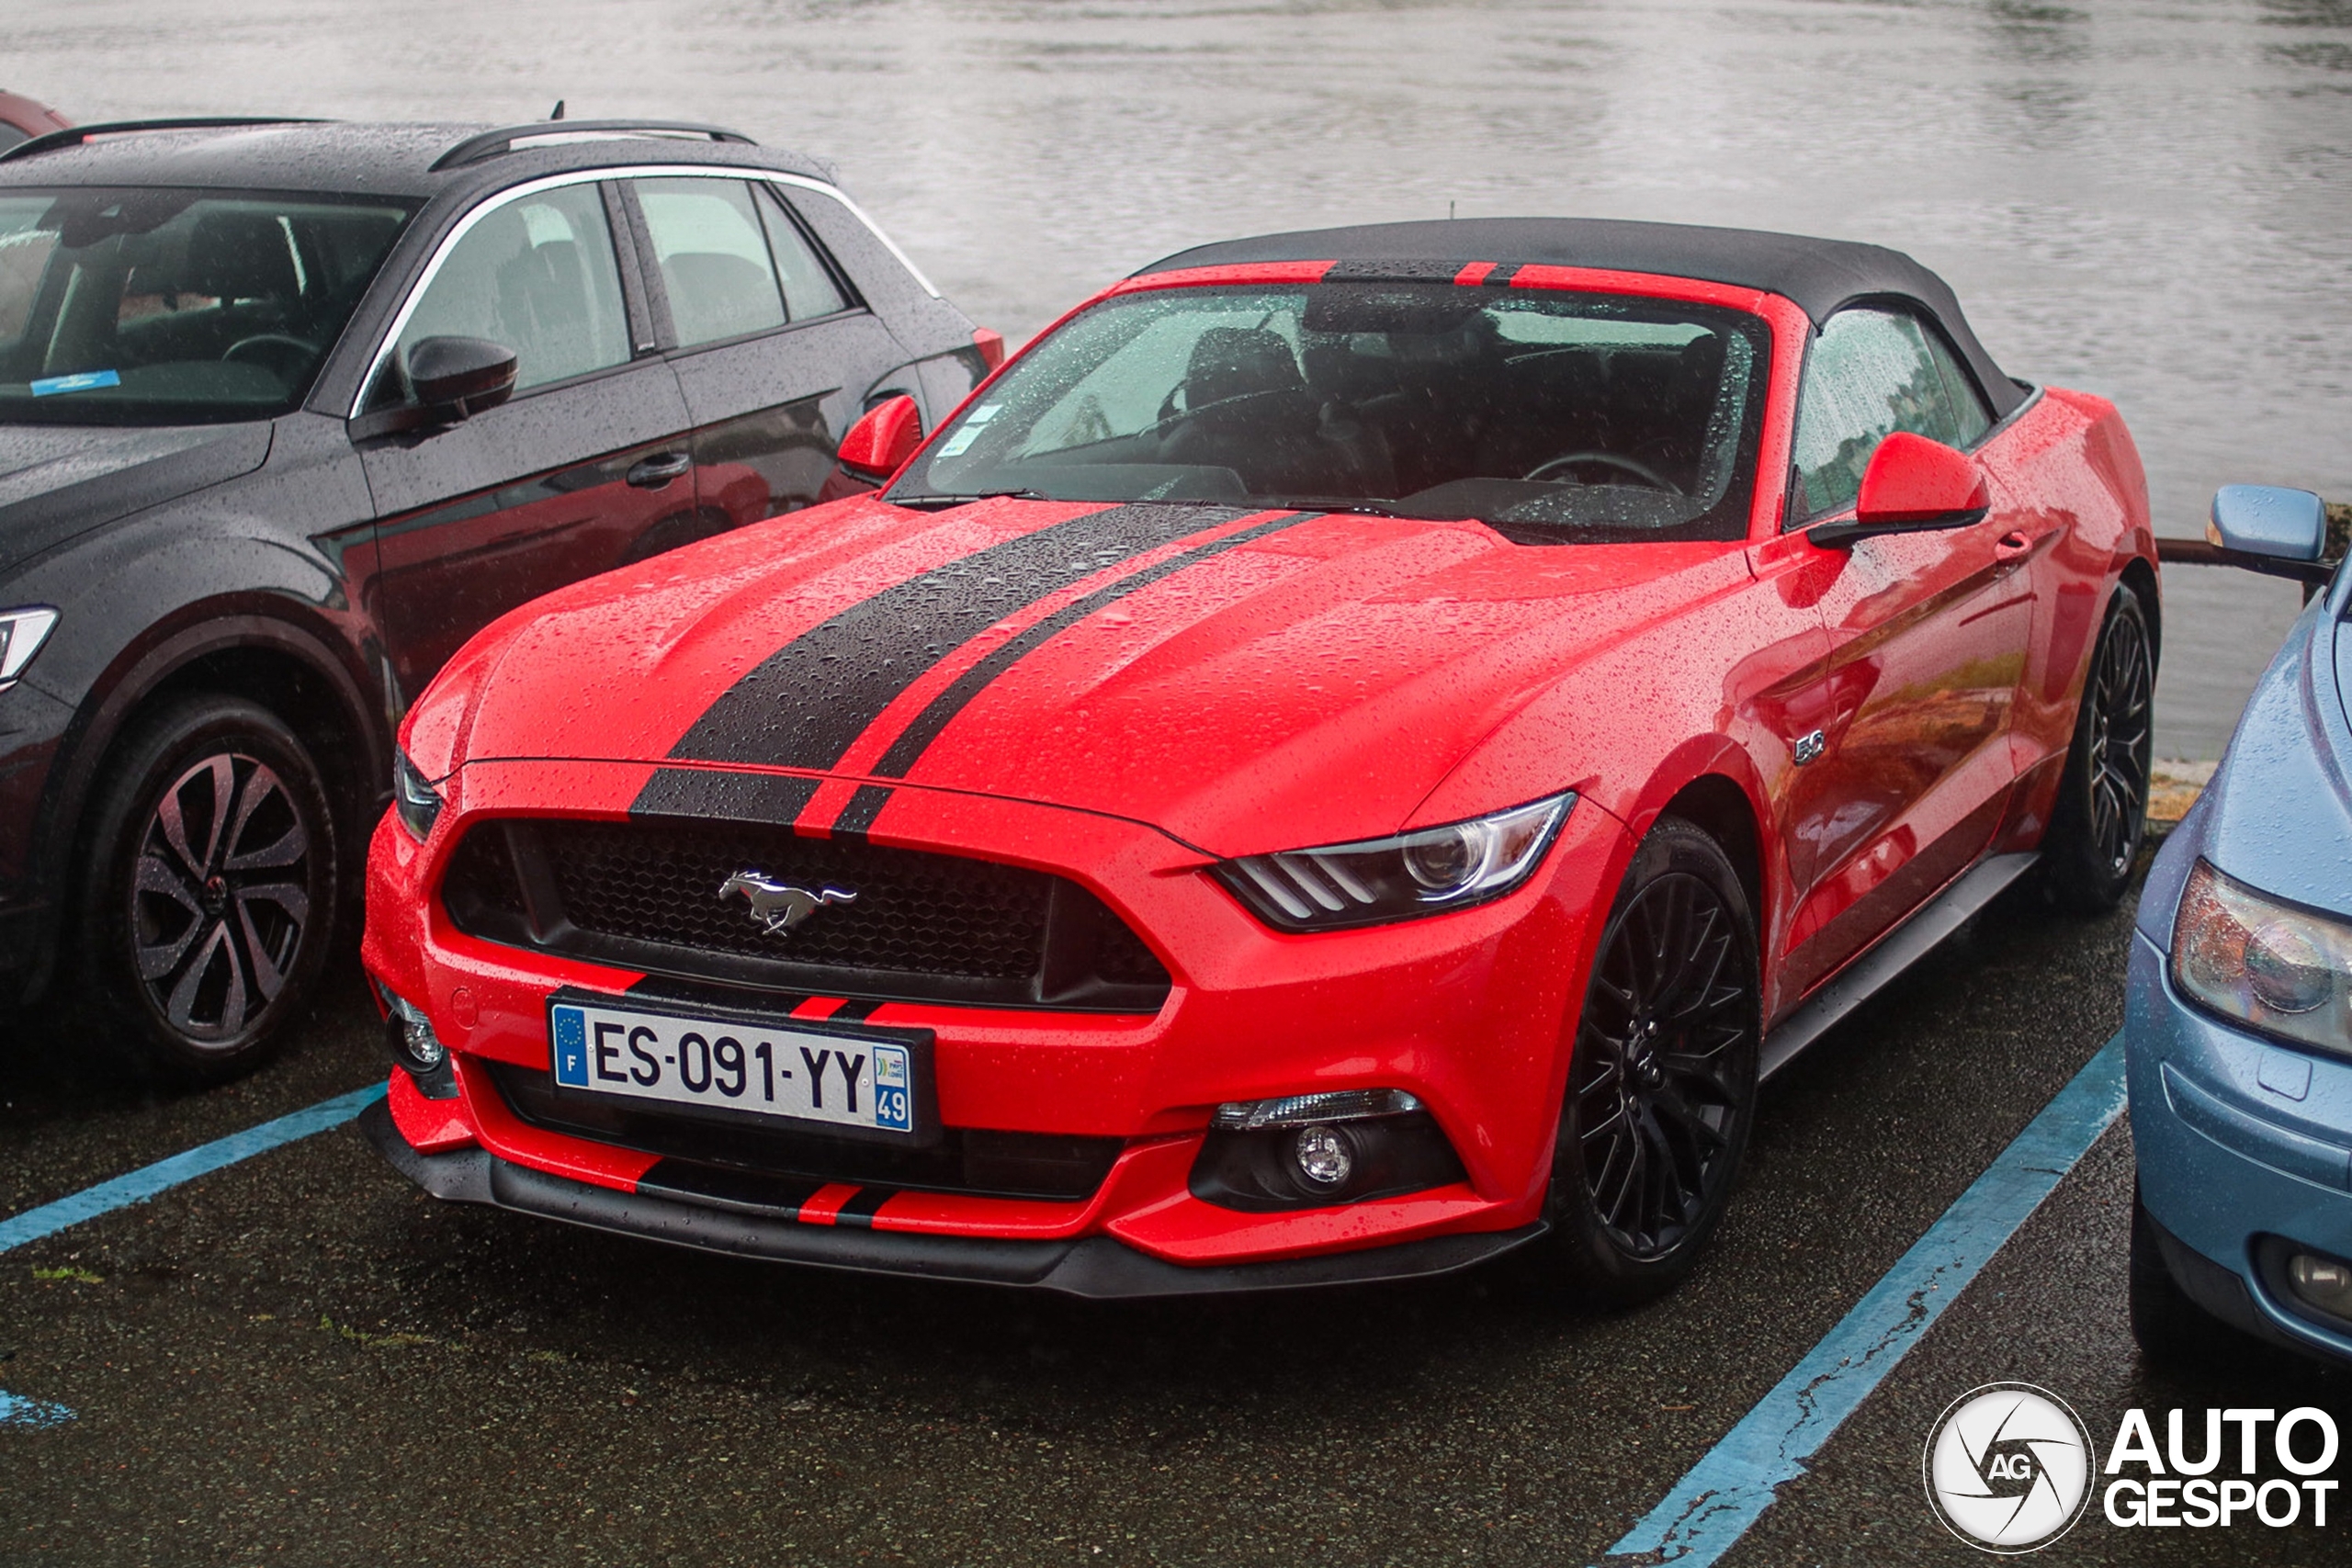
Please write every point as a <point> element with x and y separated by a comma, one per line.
<point>2244,1151</point>
<point>1096,1266</point>
<point>1470,1011</point>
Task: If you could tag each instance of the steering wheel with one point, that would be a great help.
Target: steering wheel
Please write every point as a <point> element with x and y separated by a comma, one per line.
<point>1607,459</point>
<point>283,355</point>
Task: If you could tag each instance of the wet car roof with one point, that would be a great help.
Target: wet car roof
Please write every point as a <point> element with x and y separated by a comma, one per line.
<point>1820,275</point>
<point>358,159</point>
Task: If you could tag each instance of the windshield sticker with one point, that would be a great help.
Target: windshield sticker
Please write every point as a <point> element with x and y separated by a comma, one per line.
<point>87,381</point>
<point>960,440</point>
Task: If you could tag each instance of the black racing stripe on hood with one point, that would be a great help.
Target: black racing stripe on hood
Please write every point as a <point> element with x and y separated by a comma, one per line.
<point>805,704</point>
<point>736,797</point>
<point>864,806</point>
<point>942,709</point>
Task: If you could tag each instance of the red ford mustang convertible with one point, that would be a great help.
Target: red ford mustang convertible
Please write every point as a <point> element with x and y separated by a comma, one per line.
<point>1353,753</point>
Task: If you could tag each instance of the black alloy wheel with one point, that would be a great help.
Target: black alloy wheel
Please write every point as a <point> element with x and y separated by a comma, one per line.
<point>209,896</point>
<point>2102,810</point>
<point>1661,1087</point>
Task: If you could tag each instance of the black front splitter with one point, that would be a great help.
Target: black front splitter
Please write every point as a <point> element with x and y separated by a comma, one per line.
<point>1098,1268</point>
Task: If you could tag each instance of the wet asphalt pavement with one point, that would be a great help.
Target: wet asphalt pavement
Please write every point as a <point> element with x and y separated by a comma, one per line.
<point>301,1359</point>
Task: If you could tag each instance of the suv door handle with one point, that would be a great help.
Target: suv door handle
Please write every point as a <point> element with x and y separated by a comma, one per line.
<point>654,472</point>
<point>2013,548</point>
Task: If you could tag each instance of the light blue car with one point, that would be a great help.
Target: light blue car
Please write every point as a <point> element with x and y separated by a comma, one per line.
<point>2239,1021</point>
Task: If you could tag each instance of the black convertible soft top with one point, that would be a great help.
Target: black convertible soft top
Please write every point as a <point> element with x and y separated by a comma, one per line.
<point>1820,275</point>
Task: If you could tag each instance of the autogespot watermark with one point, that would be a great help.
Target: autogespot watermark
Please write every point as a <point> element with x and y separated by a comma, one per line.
<point>2010,1468</point>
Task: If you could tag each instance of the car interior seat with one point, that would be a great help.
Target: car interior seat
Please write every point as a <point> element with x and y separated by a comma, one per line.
<point>714,295</point>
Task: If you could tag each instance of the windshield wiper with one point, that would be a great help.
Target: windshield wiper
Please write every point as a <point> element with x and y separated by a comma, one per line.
<point>941,502</point>
<point>1331,503</point>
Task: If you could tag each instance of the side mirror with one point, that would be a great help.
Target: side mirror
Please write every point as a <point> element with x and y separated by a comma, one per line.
<point>880,444</point>
<point>1913,484</point>
<point>2266,520</point>
<point>455,377</point>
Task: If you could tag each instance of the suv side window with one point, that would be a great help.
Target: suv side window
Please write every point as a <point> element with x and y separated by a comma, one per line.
<point>537,274</point>
<point>712,249</point>
<point>1870,373</point>
<point>808,287</point>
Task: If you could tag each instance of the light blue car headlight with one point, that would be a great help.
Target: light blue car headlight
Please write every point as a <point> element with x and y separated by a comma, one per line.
<point>2276,969</point>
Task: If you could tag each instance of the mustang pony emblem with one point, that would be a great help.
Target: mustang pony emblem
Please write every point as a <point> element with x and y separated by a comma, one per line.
<point>777,907</point>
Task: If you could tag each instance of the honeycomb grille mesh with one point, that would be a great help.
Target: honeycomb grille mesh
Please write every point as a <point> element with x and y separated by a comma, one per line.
<point>914,912</point>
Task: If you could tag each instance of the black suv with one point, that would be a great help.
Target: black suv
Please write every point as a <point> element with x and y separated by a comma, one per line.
<point>288,412</point>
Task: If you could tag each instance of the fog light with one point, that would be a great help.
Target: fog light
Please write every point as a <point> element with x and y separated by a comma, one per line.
<point>410,1035</point>
<point>2322,1281</point>
<point>1324,1159</point>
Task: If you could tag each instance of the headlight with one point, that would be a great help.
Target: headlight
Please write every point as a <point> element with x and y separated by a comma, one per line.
<point>416,800</point>
<point>21,634</point>
<point>2279,970</point>
<point>1426,872</point>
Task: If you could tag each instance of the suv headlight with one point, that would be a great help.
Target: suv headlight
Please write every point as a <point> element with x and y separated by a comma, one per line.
<point>21,634</point>
<point>1426,872</point>
<point>2279,970</point>
<point>413,798</point>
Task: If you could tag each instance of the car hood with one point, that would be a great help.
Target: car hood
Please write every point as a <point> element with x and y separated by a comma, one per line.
<point>2277,815</point>
<point>59,481</point>
<point>1242,680</point>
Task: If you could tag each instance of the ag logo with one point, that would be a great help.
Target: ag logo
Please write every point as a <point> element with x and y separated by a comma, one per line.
<point>2009,1467</point>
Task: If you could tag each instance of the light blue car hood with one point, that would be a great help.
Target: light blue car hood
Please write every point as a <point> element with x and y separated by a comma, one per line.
<point>2277,816</point>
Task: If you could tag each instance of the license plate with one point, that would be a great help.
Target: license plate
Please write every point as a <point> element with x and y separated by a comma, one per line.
<point>865,1082</point>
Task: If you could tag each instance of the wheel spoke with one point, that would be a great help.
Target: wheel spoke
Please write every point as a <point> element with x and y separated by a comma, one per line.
<point>172,815</point>
<point>266,977</point>
<point>286,849</point>
<point>217,951</point>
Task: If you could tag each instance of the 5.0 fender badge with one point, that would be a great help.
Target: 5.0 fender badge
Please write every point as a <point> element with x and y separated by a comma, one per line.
<point>778,906</point>
<point>1810,746</point>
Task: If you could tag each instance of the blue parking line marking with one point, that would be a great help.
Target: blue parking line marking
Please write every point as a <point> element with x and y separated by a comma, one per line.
<point>165,1174</point>
<point>17,1411</point>
<point>1728,1490</point>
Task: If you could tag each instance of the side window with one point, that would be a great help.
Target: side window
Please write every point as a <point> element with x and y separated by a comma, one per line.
<point>25,251</point>
<point>713,252</point>
<point>537,274</point>
<point>809,288</point>
<point>1870,373</point>
<point>1971,418</point>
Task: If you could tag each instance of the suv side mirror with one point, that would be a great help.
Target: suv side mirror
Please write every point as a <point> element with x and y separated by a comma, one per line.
<point>880,444</point>
<point>1913,484</point>
<point>455,378</point>
<point>2267,520</point>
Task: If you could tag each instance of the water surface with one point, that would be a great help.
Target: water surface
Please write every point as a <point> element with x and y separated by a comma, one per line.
<point>2150,201</point>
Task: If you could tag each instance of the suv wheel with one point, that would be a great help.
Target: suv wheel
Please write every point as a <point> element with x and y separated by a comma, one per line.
<point>209,898</point>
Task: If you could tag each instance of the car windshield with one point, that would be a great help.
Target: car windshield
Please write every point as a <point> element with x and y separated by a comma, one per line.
<point>1569,416</point>
<point>155,306</point>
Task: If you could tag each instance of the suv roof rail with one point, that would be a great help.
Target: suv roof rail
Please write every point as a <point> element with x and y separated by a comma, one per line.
<point>490,143</point>
<point>74,135</point>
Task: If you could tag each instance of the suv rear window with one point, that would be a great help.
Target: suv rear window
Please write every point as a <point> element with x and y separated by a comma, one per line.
<point>176,306</point>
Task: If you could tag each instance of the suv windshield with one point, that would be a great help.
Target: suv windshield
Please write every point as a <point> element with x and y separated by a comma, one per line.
<point>1570,415</point>
<point>176,307</point>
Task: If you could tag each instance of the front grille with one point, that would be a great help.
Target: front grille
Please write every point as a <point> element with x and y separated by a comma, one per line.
<point>923,926</point>
<point>966,1159</point>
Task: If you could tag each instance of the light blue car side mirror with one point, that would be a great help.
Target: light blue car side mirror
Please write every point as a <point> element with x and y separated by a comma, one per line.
<point>2269,520</point>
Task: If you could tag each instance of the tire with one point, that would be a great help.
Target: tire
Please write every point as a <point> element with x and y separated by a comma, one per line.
<point>210,891</point>
<point>2172,1330</point>
<point>2102,810</point>
<point>1661,1088</point>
